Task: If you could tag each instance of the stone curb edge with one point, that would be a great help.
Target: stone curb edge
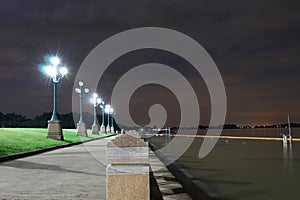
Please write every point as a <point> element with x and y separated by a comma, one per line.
<point>32,153</point>
<point>194,191</point>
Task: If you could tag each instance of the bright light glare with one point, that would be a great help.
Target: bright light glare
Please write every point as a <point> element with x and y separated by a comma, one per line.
<point>78,90</point>
<point>55,61</point>
<point>92,100</point>
<point>63,71</point>
<point>51,71</point>
<point>111,110</point>
<point>107,108</point>
<point>80,83</point>
<point>86,90</point>
<point>99,100</point>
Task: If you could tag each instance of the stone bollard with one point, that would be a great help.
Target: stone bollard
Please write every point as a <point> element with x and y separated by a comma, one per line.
<point>81,129</point>
<point>127,171</point>
<point>55,130</point>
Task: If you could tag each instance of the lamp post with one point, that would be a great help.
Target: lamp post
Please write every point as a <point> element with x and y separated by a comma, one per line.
<point>95,101</point>
<point>111,110</point>
<point>107,110</point>
<point>102,128</point>
<point>56,71</point>
<point>81,126</point>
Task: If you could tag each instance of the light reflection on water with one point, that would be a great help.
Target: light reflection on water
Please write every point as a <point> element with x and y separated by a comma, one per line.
<point>287,155</point>
<point>256,132</point>
<point>245,169</point>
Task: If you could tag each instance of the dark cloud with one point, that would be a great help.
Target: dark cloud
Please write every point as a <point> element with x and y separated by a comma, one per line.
<point>255,44</point>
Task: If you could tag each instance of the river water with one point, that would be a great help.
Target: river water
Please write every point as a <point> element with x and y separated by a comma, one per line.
<point>241,169</point>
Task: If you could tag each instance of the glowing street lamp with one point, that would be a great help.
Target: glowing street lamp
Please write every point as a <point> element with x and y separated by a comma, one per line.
<point>81,126</point>
<point>56,71</point>
<point>107,110</point>
<point>102,129</point>
<point>111,111</point>
<point>95,101</point>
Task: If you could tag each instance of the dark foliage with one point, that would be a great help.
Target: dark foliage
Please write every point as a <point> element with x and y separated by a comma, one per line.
<point>12,120</point>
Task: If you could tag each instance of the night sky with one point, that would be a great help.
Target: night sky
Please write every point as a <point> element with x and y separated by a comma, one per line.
<point>255,44</point>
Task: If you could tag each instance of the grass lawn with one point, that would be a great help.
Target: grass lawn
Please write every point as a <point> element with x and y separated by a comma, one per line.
<point>17,140</point>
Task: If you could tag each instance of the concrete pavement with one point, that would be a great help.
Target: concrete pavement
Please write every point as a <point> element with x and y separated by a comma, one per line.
<point>77,172</point>
<point>68,173</point>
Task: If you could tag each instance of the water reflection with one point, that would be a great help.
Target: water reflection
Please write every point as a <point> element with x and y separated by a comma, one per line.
<point>287,150</point>
<point>271,167</point>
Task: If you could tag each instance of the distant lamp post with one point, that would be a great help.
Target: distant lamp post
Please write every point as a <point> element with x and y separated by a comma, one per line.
<point>107,111</point>
<point>111,111</point>
<point>102,128</point>
<point>56,71</point>
<point>81,126</point>
<point>95,101</point>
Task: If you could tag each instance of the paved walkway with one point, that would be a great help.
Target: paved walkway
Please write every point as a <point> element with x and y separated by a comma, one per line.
<point>68,173</point>
<point>76,172</point>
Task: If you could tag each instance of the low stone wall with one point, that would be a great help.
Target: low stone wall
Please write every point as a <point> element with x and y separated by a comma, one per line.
<point>127,171</point>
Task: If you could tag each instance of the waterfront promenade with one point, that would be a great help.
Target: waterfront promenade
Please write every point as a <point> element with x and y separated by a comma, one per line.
<point>77,172</point>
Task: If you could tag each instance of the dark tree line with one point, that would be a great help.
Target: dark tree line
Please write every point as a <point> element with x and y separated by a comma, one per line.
<point>12,120</point>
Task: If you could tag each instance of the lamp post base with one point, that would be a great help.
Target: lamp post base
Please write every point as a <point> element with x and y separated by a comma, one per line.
<point>55,130</point>
<point>81,129</point>
<point>102,129</point>
<point>107,129</point>
<point>95,129</point>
